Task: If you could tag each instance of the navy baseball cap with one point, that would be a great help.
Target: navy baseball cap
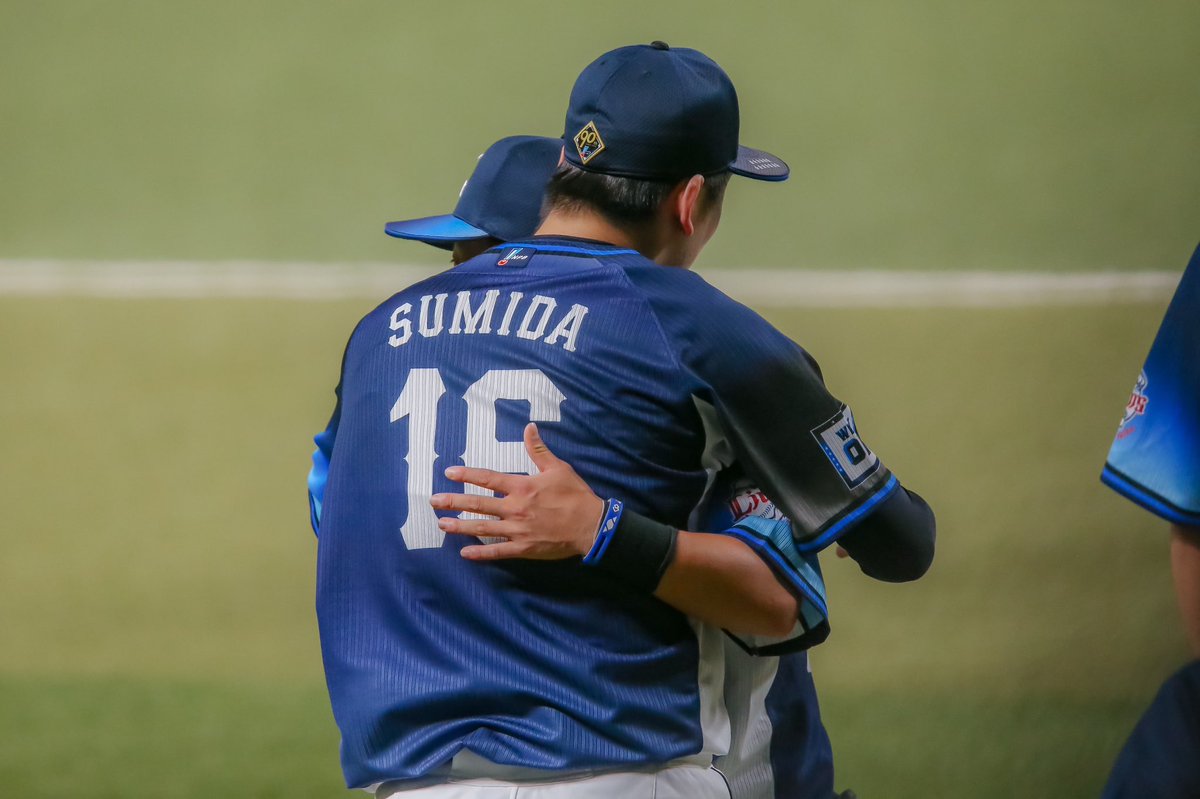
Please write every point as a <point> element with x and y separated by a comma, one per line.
<point>501,199</point>
<point>656,112</point>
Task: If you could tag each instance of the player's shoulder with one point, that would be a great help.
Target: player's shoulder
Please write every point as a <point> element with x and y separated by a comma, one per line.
<point>684,296</point>
<point>404,301</point>
<point>429,285</point>
<point>704,321</point>
<point>675,285</point>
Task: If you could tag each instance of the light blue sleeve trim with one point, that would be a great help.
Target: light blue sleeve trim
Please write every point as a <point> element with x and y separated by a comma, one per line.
<point>804,573</point>
<point>773,541</point>
<point>849,520</point>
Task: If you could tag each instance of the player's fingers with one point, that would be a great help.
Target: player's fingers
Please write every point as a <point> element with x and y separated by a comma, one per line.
<point>501,551</point>
<point>539,453</point>
<point>842,553</point>
<point>484,478</point>
<point>489,528</point>
<point>472,503</point>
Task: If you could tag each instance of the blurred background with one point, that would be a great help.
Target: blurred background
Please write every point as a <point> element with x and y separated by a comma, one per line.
<point>157,636</point>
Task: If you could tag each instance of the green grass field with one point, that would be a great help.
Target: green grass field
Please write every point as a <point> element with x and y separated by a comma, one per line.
<point>928,135</point>
<point>157,636</point>
<point>156,584</point>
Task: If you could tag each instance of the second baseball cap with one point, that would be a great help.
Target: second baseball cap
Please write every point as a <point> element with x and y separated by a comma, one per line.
<point>657,112</point>
<point>501,199</point>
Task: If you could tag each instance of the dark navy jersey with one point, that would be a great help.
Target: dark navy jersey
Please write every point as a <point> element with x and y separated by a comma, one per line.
<point>1155,459</point>
<point>650,383</point>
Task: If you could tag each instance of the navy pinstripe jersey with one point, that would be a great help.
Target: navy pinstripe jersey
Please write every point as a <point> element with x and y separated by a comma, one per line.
<point>1155,458</point>
<point>651,383</point>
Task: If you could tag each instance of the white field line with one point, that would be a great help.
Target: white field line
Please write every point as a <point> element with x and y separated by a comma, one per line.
<point>758,287</point>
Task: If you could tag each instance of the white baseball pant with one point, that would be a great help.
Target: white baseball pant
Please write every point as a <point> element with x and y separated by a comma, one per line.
<point>673,782</point>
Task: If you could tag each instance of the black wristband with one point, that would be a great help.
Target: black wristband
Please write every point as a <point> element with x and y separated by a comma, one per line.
<point>639,552</point>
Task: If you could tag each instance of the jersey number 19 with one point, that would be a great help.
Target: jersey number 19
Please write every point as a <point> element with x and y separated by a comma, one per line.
<point>419,402</point>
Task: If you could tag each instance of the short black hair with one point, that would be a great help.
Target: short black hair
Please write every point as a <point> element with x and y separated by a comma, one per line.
<point>626,201</point>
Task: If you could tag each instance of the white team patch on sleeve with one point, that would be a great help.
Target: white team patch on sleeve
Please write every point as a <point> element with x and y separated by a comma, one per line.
<point>845,449</point>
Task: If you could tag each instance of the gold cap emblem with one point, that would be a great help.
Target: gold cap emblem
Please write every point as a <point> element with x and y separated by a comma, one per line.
<point>588,142</point>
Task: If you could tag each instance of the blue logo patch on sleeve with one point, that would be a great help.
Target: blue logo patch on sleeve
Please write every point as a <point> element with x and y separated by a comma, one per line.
<point>845,449</point>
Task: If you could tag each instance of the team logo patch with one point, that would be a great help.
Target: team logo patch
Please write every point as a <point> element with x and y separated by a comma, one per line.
<point>1138,400</point>
<point>588,142</point>
<point>516,256</point>
<point>841,443</point>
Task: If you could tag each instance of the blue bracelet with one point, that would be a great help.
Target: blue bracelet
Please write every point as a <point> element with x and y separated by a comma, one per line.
<point>613,508</point>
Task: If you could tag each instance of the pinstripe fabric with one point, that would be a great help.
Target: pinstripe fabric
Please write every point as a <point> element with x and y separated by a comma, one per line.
<point>542,665</point>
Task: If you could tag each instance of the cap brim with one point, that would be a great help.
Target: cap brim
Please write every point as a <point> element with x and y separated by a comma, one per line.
<point>759,164</point>
<point>440,231</point>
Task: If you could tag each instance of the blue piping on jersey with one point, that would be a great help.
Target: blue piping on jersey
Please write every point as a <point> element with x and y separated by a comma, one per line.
<point>845,522</point>
<point>761,546</point>
<point>318,475</point>
<point>562,250</point>
<point>1147,499</point>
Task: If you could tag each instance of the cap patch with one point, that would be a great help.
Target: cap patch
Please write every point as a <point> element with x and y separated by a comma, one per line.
<point>588,142</point>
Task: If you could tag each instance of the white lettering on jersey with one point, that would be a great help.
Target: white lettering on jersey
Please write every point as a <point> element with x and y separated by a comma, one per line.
<point>568,326</point>
<point>432,327</point>
<point>473,313</point>
<point>514,299</point>
<point>401,324</point>
<point>481,319</point>
<point>539,302</point>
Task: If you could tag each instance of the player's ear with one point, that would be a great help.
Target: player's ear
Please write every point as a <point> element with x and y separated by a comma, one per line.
<point>686,203</point>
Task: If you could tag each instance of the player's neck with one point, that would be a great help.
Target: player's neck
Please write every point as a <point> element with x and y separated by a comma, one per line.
<point>653,241</point>
<point>593,226</point>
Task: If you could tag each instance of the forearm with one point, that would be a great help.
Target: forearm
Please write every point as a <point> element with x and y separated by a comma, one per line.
<point>896,542</point>
<point>1185,568</point>
<point>714,578</point>
<point>554,514</point>
<point>719,580</point>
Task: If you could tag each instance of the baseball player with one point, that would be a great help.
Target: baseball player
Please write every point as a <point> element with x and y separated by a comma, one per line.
<point>500,201</point>
<point>551,674</point>
<point>778,745</point>
<point>1155,461</point>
